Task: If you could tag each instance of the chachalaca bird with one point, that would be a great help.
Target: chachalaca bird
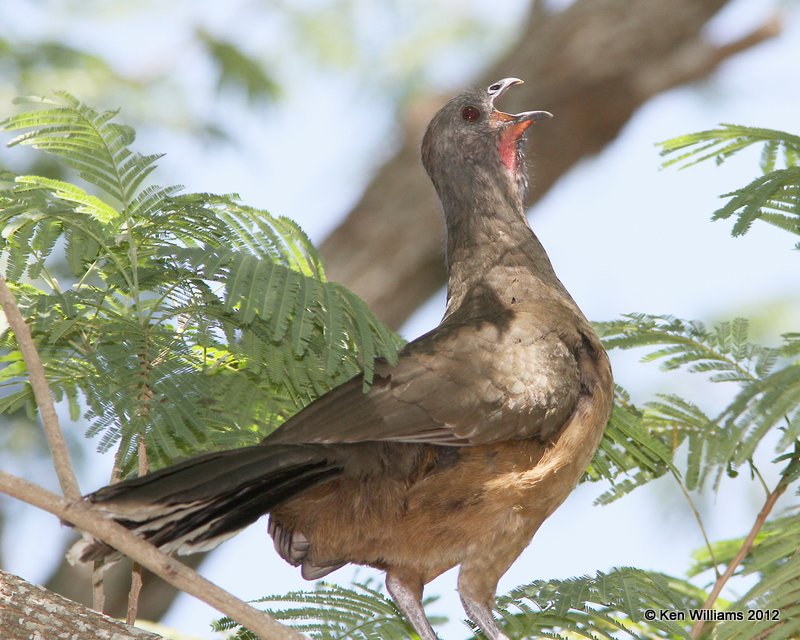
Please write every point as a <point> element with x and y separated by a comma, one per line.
<point>456,455</point>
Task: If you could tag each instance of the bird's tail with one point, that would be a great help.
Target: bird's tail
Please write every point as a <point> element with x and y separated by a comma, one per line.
<point>196,504</point>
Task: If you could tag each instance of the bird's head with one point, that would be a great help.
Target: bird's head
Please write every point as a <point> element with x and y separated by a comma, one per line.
<point>470,142</point>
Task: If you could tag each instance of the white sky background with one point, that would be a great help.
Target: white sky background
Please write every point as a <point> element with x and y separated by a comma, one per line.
<point>623,236</point>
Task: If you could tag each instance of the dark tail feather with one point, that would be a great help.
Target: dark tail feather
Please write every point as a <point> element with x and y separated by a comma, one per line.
<point>196,504</point>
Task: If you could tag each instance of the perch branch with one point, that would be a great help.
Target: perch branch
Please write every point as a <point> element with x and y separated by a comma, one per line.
<point>41,391</point>
<point>179,575</point>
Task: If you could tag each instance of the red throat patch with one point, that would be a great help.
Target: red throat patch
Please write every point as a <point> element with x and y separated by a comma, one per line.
<point>509,139</point>
<point>508,150</point>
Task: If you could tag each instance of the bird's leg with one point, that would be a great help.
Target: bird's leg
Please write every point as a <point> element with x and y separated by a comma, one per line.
<point>407,595</point>
<point>481,614</point>
<point>477,598</point>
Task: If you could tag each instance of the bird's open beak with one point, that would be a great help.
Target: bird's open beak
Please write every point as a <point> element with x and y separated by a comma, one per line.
<point>501,86</point>
<point>516,124</point>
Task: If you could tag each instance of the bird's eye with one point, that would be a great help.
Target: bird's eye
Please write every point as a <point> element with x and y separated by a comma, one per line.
<point>470,114</point>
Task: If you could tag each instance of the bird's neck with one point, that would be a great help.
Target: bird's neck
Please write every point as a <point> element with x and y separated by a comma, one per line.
<point>490,247</point>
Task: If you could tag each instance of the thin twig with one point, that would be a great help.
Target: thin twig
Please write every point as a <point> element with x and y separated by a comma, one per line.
<point>133,594</point>
<point>98,588</point>
<point>757,473</point>
<point>98,566</point>
<point>747,545</point>
<point>136,570</point>
<point>41,391</point>
<point>699,520</point>
<point>177,574</point>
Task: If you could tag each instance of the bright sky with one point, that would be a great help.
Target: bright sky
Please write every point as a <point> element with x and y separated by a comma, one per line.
<point>623,236</point>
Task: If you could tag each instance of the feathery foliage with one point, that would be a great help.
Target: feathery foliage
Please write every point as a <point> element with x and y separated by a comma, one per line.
<point>188,321</point>
<point>630,454</point>
<point>773,197</point>
<point>767,396</point>
<point>332,612</point>
<point>607,605</point>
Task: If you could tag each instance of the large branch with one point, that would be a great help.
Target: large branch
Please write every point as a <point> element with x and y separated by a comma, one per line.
<point>29,611</point>
<point>592,65</point>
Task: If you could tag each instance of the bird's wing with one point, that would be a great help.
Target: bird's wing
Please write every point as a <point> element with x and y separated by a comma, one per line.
<point>460,384</point>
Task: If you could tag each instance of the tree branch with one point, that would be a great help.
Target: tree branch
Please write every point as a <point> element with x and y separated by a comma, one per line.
<point>747,545</point>
<point>179,575</point>
<point>41,391</point>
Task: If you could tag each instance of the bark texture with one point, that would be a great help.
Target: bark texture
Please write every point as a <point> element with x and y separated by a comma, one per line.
<point>30,612</point>
<point>591,65</point>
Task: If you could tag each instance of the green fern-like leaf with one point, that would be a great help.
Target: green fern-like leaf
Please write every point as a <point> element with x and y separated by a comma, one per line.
<point>630,454</point>
<point>683,421</point>
<point>85,140</point>
<point>768,395</point>
<point>773,197</point>
<point>720,144</point>
<point>332,612</point>
<point>724,351</point>
<point>606,605</point>
<point>193,321</point>
<point>765,404</point>
<point>86,203</point>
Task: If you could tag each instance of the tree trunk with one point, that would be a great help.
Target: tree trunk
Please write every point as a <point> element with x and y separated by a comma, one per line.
<point>591,65</point>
